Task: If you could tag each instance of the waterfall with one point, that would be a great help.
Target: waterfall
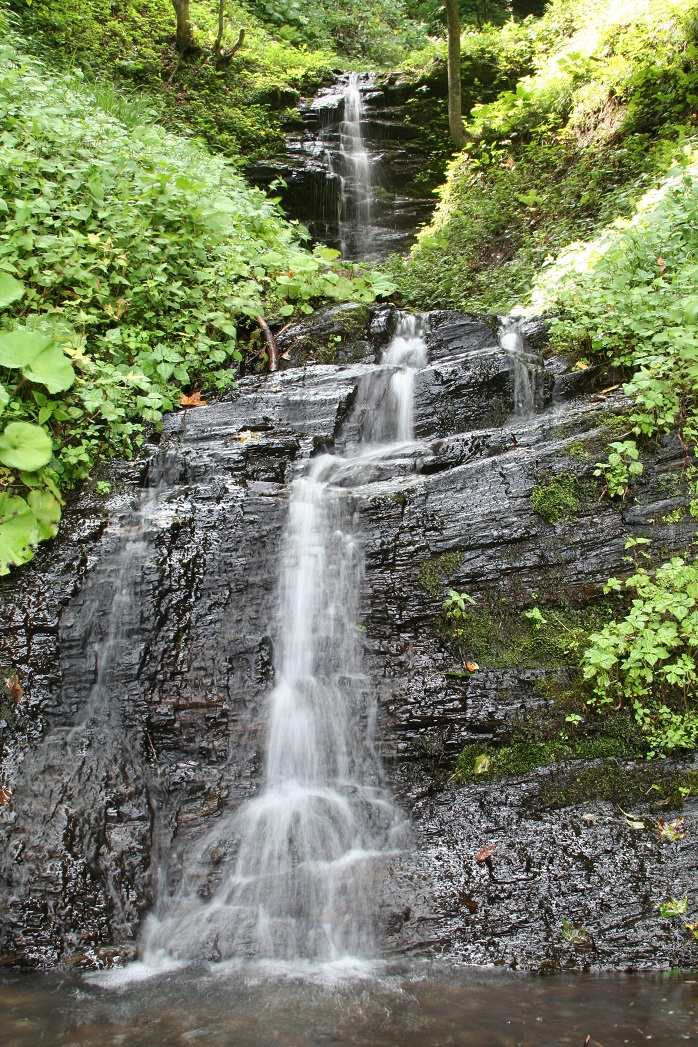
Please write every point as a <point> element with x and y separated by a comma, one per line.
<point>356,183</point>
<point>313,844</point>
<point>528,370</point>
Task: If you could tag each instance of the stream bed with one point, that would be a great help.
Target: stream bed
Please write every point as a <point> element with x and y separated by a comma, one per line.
<point>416,1004</point>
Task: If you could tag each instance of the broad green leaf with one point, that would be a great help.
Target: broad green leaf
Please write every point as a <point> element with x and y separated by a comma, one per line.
<point>19,531</point>
<point>10,290</point>
<point>52,368</point>
<point>25,446</point>
<point>47,511</point>
<point>20,347</point>
<point>4,397</point>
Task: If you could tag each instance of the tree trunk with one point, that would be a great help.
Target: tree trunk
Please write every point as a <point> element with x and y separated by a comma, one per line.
<point>273,352</point>
<point>455,113</point>
<point>221,27</point>
<point>185,39</point>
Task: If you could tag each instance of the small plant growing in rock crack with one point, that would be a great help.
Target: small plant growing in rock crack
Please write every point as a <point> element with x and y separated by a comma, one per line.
<point>674,907</point>
<point>621,466</point>
<point>454,607</point>
<point>574,934</point>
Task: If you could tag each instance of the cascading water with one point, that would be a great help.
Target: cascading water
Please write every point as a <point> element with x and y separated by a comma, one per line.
<point>356,182</point>
<point>312,845</point>
<point>529,374</point>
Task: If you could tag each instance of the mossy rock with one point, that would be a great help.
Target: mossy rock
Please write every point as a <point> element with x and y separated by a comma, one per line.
<point>559,498</point>
<point>434,572</point>
<point>335,335</point>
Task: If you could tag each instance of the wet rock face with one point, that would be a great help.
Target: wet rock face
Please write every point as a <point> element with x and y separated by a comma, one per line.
<point>144,637</point>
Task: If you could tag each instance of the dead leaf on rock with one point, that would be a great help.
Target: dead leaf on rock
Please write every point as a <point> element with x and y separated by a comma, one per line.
<point>484,853</point>
<point>192,401</point>
<point>14,687</point>
<point>246,435</point>
<point>590,817</point>
<point>5,795</point>
<point>632,820</point>
<point>472,667</point>
<point>672,831</point>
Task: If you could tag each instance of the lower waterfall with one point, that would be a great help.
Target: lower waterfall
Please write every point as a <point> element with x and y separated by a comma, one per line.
<point>313,844</point>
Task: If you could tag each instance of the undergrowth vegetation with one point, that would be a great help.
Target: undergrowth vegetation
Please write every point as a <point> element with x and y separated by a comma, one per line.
<point>238,102</point>
<point>563,152</point>
<point>131,262</point>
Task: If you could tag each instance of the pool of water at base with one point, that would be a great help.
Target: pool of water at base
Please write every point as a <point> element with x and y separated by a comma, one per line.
<point>423,1004</point>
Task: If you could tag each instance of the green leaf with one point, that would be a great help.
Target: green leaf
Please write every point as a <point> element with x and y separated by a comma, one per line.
<point>19,531</point>
<point>20,347</point>
<point>10,290</point>
<point>52,368</point>
<point>47,511</point>
<point>25,446</point>
<point>4,397</point>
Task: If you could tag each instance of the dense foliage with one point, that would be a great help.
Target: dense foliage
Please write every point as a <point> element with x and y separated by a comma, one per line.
<point>629,297</point>
<point>130,260</point>
<point>647,659</point>
<point>563,152</point>
<point>238,103</point>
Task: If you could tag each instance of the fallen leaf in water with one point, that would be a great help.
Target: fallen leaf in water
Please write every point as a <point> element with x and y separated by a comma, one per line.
<point>192,401</point>
<point>472,667</point>
<point>14,687</point>
<point>5,795</point>
<point>590,817</point>
<point>484,853</point>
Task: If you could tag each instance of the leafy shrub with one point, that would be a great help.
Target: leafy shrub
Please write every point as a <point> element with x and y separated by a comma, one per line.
<point>630,296</point>
<point>649,658</point>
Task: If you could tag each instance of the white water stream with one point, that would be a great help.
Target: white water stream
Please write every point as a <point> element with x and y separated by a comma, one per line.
<point>356,186</point>
<point>312,846</point>
<point>529,374</point>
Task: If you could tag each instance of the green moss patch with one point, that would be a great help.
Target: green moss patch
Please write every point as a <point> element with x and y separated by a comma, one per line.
<point>496,636</point>
<point>434,572</point>
<point>558,499</point>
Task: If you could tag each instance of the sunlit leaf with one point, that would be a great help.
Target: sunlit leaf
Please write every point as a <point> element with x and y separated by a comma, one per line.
<point>19,532</point>
<point>19,348</point>
<point>25,446</point>
<point>11,290</point>
<point>52,368</point>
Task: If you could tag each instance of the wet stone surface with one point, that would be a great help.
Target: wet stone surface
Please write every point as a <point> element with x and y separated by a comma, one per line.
<point>144,637</point>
